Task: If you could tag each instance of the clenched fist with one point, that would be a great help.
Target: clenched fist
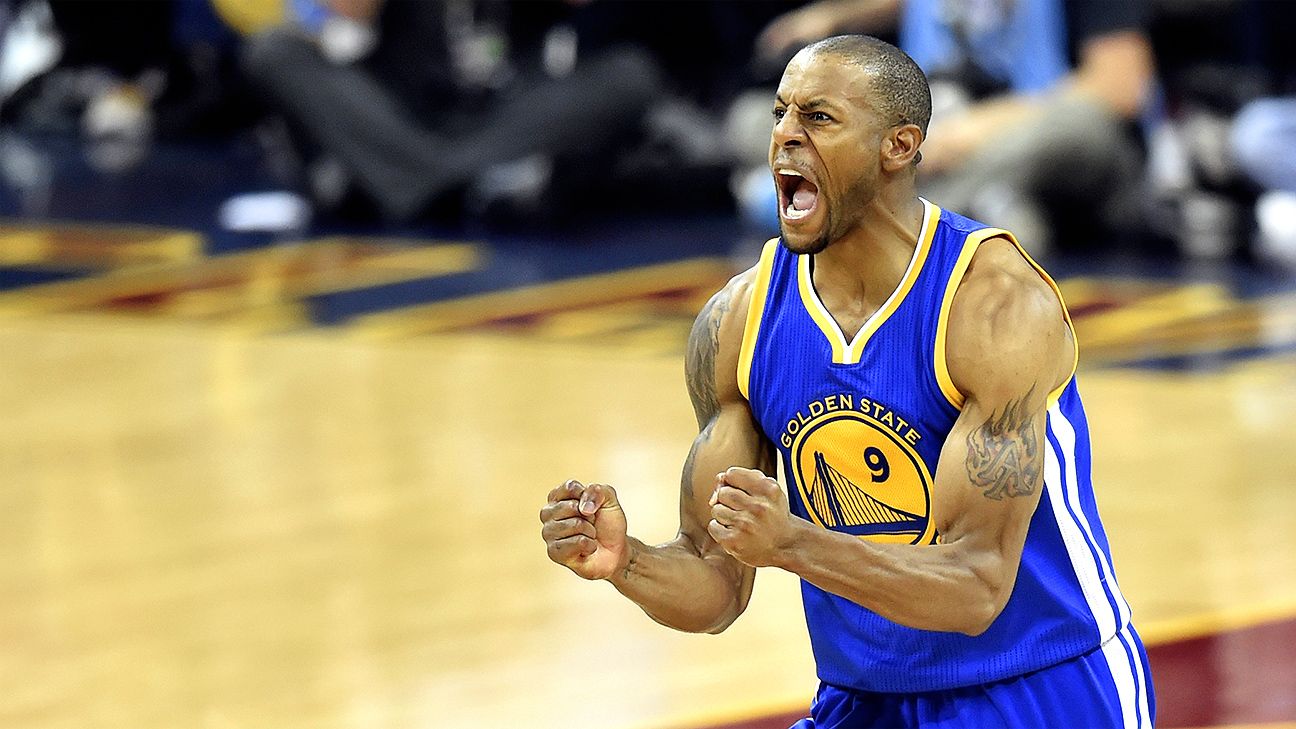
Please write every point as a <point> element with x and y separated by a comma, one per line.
<point>585,530</point>
<point>750,518</point>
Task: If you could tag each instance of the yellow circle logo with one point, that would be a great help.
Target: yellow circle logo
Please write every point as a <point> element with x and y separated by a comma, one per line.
<point>857,476</point>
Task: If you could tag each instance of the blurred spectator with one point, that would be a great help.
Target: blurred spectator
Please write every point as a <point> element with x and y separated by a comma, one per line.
<point>108,60</point>
<point>119,72</point>
<point>1032,101</point>
<point>1224,144</point>
<point>691,146</point>
<point>1264,140</point>
<point>413,104</point>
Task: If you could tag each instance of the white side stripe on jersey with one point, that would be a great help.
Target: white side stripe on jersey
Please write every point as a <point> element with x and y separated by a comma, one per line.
<point>1118,661</point>
<point>1094,575</point>
<point>1140,678</point>
<point>1077,548</point>
<point>1066,438</point>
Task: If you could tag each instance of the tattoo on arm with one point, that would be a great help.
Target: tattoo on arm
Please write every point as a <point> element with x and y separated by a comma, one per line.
<point>699,372</point>
<point>1004,456</point>
<point>686,480</point>
<point>699,363</point>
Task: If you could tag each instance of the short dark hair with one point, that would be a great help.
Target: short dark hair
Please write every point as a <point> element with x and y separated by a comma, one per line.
<point>902,90</point>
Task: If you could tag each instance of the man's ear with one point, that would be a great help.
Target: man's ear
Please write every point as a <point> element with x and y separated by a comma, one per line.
<point>900,147</point>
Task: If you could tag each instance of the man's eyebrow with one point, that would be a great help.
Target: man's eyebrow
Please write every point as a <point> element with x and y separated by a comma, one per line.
<point>810,105</point>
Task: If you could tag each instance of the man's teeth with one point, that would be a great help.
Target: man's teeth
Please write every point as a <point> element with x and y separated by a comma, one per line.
<point>790,212</point>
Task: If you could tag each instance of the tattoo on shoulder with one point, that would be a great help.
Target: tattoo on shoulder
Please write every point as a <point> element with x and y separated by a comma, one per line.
<point>1004,456</point>
<point>699,362</point>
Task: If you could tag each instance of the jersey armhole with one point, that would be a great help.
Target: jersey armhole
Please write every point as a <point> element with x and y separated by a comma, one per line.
<point>970,246</point>
<point>755,310</point>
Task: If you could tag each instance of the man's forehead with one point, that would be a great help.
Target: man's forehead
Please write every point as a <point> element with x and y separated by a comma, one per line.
<point>828,82</point>
<point>825,76</point>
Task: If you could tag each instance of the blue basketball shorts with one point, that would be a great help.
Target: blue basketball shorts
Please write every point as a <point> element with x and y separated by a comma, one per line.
<point>1108,688</point>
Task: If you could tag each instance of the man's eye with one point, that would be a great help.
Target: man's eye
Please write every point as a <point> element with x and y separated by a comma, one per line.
<point>779,114</point>
<point>819,116</point>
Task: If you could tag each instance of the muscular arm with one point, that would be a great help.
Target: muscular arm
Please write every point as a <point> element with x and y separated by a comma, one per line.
<point>690,583</point>
<point>1008,348</point>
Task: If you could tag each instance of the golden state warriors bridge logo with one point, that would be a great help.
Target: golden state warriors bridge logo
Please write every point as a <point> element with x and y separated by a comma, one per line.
<point>856,470</point>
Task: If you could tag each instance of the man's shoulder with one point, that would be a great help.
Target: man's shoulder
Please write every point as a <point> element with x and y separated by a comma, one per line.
<point>728,307</point>
<point>1000,280</point>
<point>712,356</point>
<point>1005,311</point>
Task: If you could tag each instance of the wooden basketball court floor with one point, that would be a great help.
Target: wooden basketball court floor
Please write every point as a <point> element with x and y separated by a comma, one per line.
<point>216,515</point>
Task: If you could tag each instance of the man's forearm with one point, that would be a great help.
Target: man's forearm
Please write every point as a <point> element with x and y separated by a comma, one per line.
<point>681,589</point>
<point>936,587</point>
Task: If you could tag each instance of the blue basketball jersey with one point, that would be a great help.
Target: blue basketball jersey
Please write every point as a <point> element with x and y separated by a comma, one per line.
<point>859,426</point>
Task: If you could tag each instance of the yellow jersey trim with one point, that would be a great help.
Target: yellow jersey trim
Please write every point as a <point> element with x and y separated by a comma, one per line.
<point>844,352</point>
<point>1056,394</point>
<point>970,246</point>
<point>755,310</point>
<point>818,312</point>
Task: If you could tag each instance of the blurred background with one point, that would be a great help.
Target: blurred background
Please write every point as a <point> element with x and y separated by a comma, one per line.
<point>306,304</point>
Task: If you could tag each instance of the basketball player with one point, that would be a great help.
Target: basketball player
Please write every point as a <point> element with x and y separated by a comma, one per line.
<point>909,374</point>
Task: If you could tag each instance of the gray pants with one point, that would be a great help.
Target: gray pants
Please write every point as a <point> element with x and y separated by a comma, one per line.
<point>403,159</point>
<point>1077,154</point>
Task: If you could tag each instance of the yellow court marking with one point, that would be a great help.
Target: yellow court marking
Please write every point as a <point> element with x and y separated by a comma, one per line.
<point>1170,630</point>
<point>645,327</point>
<point>1081,291</point>
<point>71,246</point>
<point>246,283</point>
<point>1132,320</point>
<point>1265,322</point>
<point>541,299</point>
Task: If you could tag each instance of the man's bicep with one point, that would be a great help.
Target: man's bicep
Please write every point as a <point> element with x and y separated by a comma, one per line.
<point>988,485</point>
<point>1007,355</point>
<point>993,455</point>
<point>731,438</point>
<point>728,435</point>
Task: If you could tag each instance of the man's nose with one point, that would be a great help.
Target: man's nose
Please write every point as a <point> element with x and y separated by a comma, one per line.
<point>788,131</point>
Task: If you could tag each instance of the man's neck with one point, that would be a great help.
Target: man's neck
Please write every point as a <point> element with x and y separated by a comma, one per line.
<point>856,274</point>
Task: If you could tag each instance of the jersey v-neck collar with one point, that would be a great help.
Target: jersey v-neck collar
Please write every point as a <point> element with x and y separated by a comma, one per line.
<point>845,352</point>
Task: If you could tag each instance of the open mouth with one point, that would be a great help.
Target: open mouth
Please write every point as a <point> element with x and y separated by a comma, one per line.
<point>798,196</point>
